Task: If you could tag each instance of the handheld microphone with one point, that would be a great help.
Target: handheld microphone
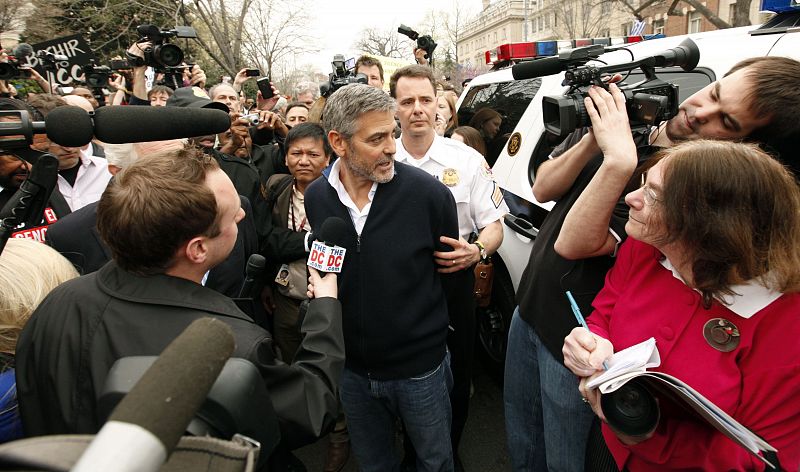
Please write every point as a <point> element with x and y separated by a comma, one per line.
<point>27,204</point>
<point>255,267</point>
<point>149,421</point>
<point>74,127</point>
<point>327,253</point>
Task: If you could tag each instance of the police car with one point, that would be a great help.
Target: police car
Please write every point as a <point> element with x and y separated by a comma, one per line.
<point>522,142</point>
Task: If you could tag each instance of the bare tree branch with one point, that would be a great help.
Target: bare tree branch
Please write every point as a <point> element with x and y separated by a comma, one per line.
<point>385,42</point>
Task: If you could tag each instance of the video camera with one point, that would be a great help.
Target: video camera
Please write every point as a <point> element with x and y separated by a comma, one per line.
<point>162,54</point>
<point>343,74</point>
<point>17,65</point>
<point>426,42</point>
<point>648,102</point>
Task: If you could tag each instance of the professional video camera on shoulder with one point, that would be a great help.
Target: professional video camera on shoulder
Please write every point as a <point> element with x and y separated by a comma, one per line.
<point>343,74</point>
<point>425,42</point>
<point>649,102</point>
<point>161,54</point>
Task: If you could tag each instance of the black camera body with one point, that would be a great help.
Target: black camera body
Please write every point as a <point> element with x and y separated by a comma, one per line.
<point>342,75</point>
<point>161,55</point>
<point>425,42</point>
<point>14,70</point>
<point>96,76</point>
<point>648,102</point>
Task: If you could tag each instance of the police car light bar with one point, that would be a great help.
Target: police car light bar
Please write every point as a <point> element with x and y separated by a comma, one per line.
<point>530,50</point>
<point>780,6</point>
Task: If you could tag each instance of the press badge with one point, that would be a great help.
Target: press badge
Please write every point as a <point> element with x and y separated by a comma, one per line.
<point>282,278</point>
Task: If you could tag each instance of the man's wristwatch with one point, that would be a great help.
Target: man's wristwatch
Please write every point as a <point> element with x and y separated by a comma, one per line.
<point>482,250</point>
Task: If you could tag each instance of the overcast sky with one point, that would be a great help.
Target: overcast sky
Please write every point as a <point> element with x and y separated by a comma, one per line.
<point>338,23</point>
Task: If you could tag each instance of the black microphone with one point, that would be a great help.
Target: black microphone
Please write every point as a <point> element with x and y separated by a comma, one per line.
<point>74,127</point>
<point>255,267</point>
<point>538,68</point>
<point>150,420</point>
<point>27,204</point>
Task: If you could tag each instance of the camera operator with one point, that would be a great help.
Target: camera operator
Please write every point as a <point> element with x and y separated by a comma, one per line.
<point>154,280</point>
<point>547,422</point>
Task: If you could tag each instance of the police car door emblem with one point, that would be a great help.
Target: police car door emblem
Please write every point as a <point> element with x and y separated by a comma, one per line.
<point>450,177</point>
<point>514,144</point>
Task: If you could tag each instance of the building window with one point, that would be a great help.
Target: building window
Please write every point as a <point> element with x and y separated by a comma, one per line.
<point>732,13</point>
<point>695,22</point>
<point>658,27</point>
<point>533,25</point>
<point>495,37</point>
<point>547,20</point>
<point>541,23</point>
<point>605,8</point>
<point>504,33</point>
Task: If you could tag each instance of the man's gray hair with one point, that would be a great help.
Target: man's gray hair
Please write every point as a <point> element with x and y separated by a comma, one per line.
<point>347,104</point>
<point>307,87</point>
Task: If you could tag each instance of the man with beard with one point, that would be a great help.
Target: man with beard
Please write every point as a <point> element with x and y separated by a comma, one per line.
<point>393,304</point>
<point>547,422</point>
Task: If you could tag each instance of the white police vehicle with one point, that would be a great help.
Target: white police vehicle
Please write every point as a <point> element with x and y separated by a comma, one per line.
<point>522,142</point>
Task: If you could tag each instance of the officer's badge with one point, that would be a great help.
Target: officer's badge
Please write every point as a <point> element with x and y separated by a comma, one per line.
<point>450,177</point>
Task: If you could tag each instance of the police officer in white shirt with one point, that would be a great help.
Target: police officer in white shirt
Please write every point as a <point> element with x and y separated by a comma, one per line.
<point>480,207</point>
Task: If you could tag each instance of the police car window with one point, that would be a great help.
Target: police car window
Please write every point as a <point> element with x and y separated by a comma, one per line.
<point>509,99</point>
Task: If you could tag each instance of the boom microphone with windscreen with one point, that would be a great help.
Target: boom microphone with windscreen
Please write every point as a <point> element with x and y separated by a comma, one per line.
<point>74,127</point>
<point>149,421</point>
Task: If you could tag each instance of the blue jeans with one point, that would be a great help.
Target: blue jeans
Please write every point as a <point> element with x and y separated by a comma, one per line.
<point>547,423</point>
<point>423,403</point>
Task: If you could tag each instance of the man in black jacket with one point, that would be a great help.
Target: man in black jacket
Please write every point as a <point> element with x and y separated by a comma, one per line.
<point>139,302</point>
<point>394,308</point>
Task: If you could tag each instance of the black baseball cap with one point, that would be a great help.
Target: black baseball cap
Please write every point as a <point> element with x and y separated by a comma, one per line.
<point>194,97</point>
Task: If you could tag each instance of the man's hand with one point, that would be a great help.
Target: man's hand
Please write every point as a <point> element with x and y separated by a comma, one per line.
<point>421,56</point>
<point>241,78</point>
<point>319,287</point>
<point>272,121</point>
<point>610,126</point>
<point>462,256</point>
<point>197,77</point>
<point>267,104</point>
<point>238,135</point>
<point>267,299</point>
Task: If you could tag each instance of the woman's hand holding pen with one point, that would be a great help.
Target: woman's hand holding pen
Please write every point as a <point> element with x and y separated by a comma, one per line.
<point>585,354</point>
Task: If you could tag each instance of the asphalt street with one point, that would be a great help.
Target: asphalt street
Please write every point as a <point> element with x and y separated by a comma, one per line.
<point>483,446</point>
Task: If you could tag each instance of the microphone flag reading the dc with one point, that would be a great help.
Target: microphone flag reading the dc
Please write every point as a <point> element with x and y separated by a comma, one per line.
<point>147,424</point>
<point>327,253</point>
<point>74,127</point>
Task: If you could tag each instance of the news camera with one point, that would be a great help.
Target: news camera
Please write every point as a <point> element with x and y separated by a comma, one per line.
<point>425,42</point>
<point>17,65</point>
<point>648,102</point>
<point>343,74</point>
<point>96,76</point>
<point>161,54</point>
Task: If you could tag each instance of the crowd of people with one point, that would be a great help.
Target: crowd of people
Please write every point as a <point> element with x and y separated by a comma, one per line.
<point>146,237</point>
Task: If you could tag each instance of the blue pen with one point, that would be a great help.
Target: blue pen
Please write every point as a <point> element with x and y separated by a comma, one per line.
<point>578,316</point>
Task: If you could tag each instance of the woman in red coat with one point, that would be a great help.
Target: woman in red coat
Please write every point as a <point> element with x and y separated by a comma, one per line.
<point>714,235</point>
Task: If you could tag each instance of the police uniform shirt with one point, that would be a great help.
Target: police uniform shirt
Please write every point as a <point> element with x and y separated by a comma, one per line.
<point>465,172</point>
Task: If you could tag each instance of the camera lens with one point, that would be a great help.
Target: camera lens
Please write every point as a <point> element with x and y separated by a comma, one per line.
<point>96,80</point>
<point>631,409</point>
<point>169,55</point>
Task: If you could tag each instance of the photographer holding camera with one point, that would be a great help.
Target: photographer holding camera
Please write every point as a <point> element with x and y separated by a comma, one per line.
<point>548,425</point>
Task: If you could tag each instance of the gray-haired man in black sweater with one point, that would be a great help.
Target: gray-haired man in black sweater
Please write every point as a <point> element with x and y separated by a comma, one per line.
<point>393,305</point>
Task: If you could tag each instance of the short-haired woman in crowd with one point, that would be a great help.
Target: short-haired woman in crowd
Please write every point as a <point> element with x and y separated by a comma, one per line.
<point>29,270</point>
<point>714,245</point>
